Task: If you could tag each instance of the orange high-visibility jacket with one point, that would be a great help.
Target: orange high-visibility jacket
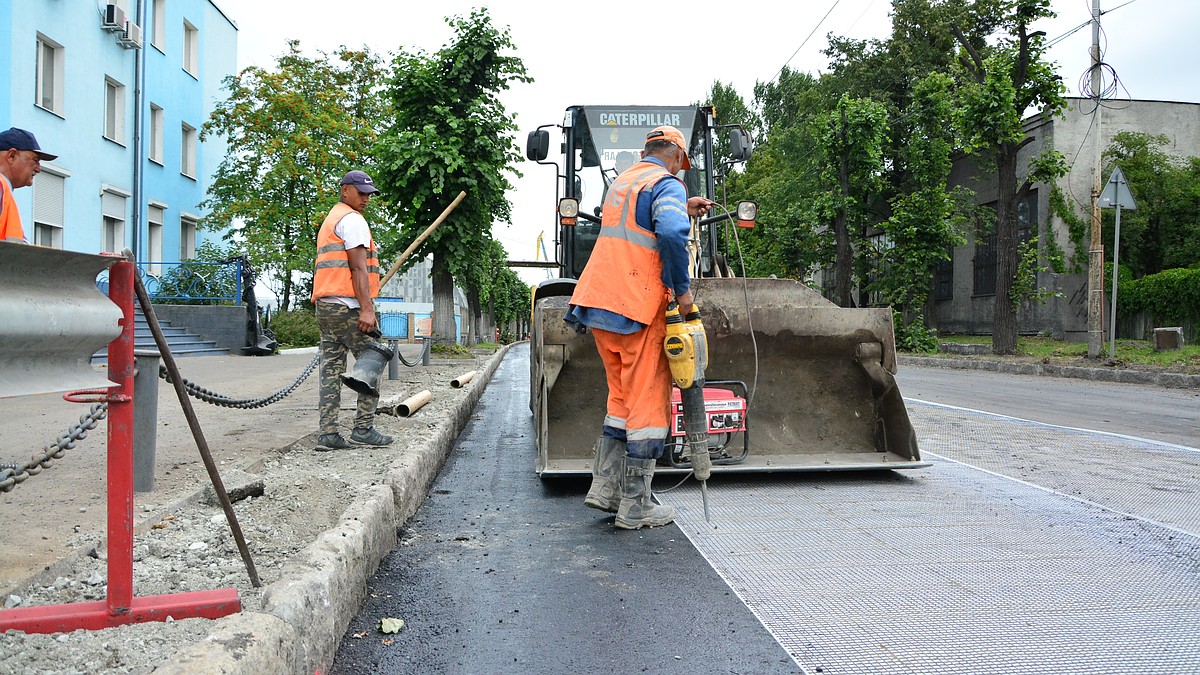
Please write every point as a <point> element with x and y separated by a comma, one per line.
<point>10,220</point>
<point>624,273</point>
<point>332,275</point>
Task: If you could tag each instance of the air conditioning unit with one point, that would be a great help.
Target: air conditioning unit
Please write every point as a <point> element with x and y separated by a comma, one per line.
<point>113,20</point>
<point>132,37</point>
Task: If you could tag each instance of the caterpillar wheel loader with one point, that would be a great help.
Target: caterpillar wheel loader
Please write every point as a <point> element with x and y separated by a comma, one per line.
<point>794,382</point>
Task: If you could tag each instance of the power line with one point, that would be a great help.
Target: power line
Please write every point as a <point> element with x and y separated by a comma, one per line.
<point>814,30</point>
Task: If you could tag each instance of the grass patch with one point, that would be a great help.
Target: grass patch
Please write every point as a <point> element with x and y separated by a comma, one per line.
<point>454,351</point>
<point>1140,352</point>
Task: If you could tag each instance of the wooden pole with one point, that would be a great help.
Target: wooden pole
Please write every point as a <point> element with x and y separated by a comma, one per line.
<point>421,239</point>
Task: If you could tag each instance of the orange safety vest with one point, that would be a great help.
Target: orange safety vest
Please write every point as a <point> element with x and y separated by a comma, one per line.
<point>10,220</point>
<point>624,273</point>
<point>332,274</point>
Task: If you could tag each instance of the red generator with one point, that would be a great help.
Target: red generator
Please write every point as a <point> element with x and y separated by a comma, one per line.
<point>725,407</point>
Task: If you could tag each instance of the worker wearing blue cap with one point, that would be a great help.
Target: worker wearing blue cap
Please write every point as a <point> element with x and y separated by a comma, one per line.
<point>20,160</point>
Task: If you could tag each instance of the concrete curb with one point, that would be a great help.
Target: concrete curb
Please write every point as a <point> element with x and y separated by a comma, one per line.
<point>306,612</point>
<point>1122,375</point>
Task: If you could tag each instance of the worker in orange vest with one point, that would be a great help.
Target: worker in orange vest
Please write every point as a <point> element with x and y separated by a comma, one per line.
<point>20,162</point>
<point>345,284</point>
<point>639,261</point>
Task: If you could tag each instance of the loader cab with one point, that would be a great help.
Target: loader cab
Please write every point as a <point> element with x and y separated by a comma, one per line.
<point>601,141</point>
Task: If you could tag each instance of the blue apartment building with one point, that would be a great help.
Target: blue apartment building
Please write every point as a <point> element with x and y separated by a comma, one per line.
<point>131,169</point>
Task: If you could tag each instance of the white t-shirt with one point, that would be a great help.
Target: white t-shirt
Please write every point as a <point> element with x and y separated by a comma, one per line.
<point>353,229</point>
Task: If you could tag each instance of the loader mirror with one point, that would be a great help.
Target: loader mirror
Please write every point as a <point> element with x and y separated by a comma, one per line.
<point>747,213</point>
<point>537,147</point>
<point>568,211</point>
<point>740,146</point>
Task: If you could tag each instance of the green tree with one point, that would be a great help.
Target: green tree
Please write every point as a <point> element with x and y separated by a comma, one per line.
<point>780,176</point>
<point>851,141</point>
<point>925,223</point>
<point>1164,232</point>
<point>292,133</point>
<point>449,133</point>
<point>1001,79</point>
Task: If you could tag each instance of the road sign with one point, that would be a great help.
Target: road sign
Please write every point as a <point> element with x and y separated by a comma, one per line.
<point>1116,193</point>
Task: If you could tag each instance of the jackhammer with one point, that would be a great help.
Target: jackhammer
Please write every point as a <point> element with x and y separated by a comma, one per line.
<point>687,353</point>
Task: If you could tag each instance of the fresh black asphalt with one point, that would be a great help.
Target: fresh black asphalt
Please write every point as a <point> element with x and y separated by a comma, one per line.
<point>502,572</point>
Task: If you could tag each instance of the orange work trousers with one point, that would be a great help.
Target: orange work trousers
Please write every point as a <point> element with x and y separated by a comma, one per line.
<point>639,387</point>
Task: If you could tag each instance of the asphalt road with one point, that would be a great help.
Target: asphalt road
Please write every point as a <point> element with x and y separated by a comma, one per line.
<point>1167,415</point>
<point>499,572</point>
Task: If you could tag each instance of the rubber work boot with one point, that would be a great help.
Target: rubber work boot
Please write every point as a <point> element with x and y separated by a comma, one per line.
<point>326,442</point>
<point>369,436</point>
<point>605,493</point>
<point>637,510</point>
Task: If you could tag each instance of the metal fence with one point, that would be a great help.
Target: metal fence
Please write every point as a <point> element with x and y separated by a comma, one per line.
<point>192,282</point>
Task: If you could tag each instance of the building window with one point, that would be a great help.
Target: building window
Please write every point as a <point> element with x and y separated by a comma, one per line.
<point>158,26</point>
<point>49,192</point>
<point>156,134</point>
<point>112,209</point>
<point>943,278</point>
<point>114,110</point>
<point>154,238</point>
<point>985,239</point>
<point>187,238</point>
<point>191,49</point>
<point>49,75</point>
<point>187,160</point>
<point>985,250</point>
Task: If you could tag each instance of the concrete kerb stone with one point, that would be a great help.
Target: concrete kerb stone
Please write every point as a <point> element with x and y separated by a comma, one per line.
<point>1121,375</point>
<point>306,612</point>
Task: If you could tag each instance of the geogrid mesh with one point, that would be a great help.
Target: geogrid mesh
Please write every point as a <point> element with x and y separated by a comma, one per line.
<point>1087,562</point>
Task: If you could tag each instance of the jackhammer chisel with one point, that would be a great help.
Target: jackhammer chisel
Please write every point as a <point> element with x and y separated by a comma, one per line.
<point>687,353</point>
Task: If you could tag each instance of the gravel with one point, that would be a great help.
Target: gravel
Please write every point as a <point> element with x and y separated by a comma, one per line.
<point>190,547</point>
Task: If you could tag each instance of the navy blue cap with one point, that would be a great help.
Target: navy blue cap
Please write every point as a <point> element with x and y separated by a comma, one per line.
<point>361,181</point>
<point>19,139</point>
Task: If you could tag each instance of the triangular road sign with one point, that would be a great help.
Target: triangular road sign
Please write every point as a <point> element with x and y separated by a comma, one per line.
<point>1117,193</point>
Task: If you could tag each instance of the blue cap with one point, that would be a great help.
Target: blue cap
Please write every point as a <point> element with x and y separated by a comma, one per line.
<point>19,139</point>
<point>361,181</point>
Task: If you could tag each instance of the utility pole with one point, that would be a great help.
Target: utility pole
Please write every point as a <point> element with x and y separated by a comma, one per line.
<point>1096,250</point>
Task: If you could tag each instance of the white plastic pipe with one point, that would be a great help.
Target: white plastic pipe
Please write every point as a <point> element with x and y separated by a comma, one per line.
<point>461,381</point>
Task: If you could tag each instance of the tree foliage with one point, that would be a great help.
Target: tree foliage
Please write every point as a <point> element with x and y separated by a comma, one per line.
<point>449,133</point>
<point>999,81</point>
<point>292,133</point>
<point>1164,231</point>
<point>925,223</point>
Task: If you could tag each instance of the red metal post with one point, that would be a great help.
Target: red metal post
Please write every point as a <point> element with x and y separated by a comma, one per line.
<point>120,607</point>
<point>120,445</point>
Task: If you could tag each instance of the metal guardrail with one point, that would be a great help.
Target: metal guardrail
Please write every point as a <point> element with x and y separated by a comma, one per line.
<point>54,319</point>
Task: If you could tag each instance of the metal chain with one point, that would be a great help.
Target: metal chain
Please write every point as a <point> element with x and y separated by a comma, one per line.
<point>200,393</point>
<point>13,474</point>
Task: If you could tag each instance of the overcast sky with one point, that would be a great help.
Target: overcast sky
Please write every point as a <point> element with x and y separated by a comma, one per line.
<point>592,53</point>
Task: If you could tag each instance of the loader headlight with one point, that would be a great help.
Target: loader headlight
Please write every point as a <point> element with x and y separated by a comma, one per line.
<point>568,211</point>
<point>747,213</point>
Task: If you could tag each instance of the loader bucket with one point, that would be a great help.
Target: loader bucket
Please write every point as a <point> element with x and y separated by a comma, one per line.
<point>821,391</point>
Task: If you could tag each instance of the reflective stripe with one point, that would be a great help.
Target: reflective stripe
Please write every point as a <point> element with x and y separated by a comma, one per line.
<point>614,422</point>
<point>630,235</point>
<point>326,264</point>
<point>647,434</point>
<point>331,248</point>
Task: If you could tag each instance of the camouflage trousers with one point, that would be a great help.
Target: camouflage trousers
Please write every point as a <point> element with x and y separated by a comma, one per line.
<point>340,335</point>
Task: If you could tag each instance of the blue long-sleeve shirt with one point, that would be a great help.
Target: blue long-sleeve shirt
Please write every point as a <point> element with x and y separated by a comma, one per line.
<point>663,211</point>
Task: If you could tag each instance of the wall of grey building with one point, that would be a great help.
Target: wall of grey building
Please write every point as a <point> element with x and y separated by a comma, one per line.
<point>1074,135</point>
<point>223,324</point>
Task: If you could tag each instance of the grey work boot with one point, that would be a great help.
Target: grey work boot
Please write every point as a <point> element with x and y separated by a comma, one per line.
<point>605,493</point>
<point>636,509</point>
<point>369,437</point>
<point>327,442</point>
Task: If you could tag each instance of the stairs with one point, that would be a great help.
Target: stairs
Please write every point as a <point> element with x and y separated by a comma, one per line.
<point>179,340</point>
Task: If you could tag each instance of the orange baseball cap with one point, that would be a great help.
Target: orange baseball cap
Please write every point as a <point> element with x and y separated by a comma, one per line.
<point>674,136</point>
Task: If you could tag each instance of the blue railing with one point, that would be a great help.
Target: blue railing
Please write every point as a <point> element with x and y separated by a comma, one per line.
<point>190,282</point>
